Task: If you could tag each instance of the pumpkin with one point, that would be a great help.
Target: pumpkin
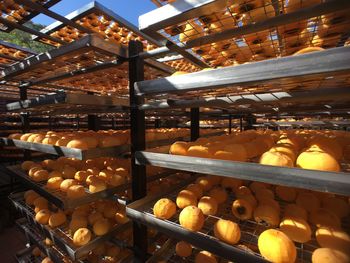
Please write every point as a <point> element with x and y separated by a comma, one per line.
<point>219,194</point>
<point>186,198</point>
<point>231,183</point>
<point>199,151</point>
<point>296,229</point>
<point>208,205</point>
<point>285,149</point>
<point>328,145</point>
<point>205,257</point>
<point>316,160</point>
<point>264,193</point>
<point>191,218</point>
<point>179,148</point>
<point>308,201</point>
<point>227,231</point>
<point>323,217</point>
<point>254,186</point>
<point>196,189</point>
<point>164,208</point>
<point>242,190</point>
<point>285,193</point>
<point>276,246</point>
<point>267,214</point>
<point>276,158</point>
<point>183,249</point>
<point>232,152</point>
<point>333,238</point>
<point>329,255</point>
<point>205,183</point>
<point>242,209</point>
<point>336,205</point>
<point>270,202</point>
<point>251,199</point>
<point>293,210</point>
<point>57,219</point>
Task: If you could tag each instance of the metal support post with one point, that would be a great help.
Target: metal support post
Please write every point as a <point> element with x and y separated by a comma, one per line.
<point>137,121</point>
<point>230,124</point>
<point>24,116</point>
<point>157,123</point>
<point>194,124</point>
<point>240,124</point>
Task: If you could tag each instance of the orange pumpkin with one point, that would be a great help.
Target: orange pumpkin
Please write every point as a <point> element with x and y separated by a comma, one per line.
<point>164,208</point>
<point>191,218</point>
<point>242,209</point>
<point>227,231</point>
<point>296,229</point>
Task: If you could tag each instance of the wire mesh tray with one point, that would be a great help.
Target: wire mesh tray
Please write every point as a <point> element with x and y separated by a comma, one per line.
<point>60,235</point>
<point>34,237</point>
<point>245,251</point>
<point>59,198</point>
<point>20,14</point>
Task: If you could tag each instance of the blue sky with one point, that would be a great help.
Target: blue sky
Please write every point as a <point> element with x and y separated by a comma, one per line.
<point>128,9</point>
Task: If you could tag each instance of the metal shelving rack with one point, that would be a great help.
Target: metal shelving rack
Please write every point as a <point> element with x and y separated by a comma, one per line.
<point>274,86</point>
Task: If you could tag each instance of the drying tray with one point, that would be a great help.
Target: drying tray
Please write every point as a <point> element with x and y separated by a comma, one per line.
<point>59,235</point>
<point>246,251</point>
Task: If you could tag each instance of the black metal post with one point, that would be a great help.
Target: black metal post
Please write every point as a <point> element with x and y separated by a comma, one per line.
<point>93,120</point>
<point>138,130</point>
<point>78,122</point>
<point>157,123</point>
<point>194,124</point>
<point>113,123</point>
<point>251,120</point>
<point>24,116</point>
<point>240,124</point>
<point>230,124</point>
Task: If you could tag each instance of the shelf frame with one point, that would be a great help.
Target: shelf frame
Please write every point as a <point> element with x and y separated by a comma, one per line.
<point>331,61</point>
<point>332,182</point>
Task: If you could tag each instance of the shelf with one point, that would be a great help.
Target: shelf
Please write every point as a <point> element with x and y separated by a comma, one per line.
<point>14,13</point>
<point>333,182</point>
<point>65,151</point>
<point>318,65</point>
<point>59,235</point>
<point>59,198</point>
<point>141,211</point>
<point>62,100</point>
<point>90,50</point>
<point>37,239</point>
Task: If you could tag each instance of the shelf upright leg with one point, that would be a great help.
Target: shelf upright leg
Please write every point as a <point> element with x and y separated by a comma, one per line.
<point>138,131</point>
<point>157,123</point>
<point>194,124</point>
<point>24,116</point>
<point>230,124</point>
<point>93,120</point>
<point>240,124</point>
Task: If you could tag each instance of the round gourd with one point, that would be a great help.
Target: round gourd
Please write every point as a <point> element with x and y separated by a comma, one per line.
<point>191,218</point>
<point>219,194</point>
<point>205,183</point>
<point>67,183</point>
<point>77,222</point>
<point>231,183</point>
<point>270,202</point>
<point>308,201</point>
<point>164,208</point>
<point>208,205</point>
<point>276,246</point>
<point>76,191</point>
<point>186,198</point>
<point>286,150</point>
<point>264,193</point>
<point>267,215</point>
<point>316,160</point>
<point>196,189</point>
<point>242,209</point>
<point>43,216</point>
<point>183,249</point>
<point>285,193</point>
<point>329,255</point>
<point>81,237</point>
<point>336,205</point>
<point>333,238</point>
<point>78,144</point>
<point>57,219</point>
<point>242,190</point>
<point>276,158</point>
<point>199,151</point>
<point>227,231</point>
<point>293,210</point>
<point>324,218</point>
<point>296,229</point>
<point>254,186</point>
<point>179,148</point>
<point>26,165</point>
<point>101,227</point>
<point>94,216</point>
<point>205,257</point>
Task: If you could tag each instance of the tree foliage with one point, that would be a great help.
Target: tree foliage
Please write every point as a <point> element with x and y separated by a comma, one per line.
<point>24,39</point>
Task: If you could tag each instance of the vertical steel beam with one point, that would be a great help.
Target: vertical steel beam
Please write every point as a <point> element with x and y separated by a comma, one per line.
<point>240,124</point>
<point>194,124</point>
<point>157,123</point>
<point>24,116</point>
<point>138,130</point>
<point>93,119</point>
<point>230,124</point>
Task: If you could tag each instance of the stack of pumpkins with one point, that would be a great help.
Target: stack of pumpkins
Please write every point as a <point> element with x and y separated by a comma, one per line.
<point>96,218</point>
<point>304,149</point>
<point>303,215</point>
<point>72,176</point>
